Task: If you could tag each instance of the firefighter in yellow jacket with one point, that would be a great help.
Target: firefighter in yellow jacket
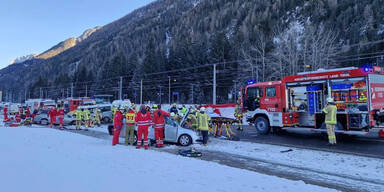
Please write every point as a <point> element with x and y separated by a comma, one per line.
<point>78,113</point>
<point>203,125</point>
<point>330,120</point>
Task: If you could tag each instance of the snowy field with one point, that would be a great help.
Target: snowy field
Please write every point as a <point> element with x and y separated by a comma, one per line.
<point>43,159</point>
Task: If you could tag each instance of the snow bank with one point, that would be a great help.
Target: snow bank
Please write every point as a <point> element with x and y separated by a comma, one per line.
<point>52,160</point>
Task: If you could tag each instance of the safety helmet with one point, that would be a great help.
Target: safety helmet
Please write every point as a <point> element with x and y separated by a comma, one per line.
<point>154,106</point>
<point>172,114</point>
<point>179,107</point>
<point>121,108</point>
<point>174,104</point>
<point>330,100</point>
<point>202,109</point>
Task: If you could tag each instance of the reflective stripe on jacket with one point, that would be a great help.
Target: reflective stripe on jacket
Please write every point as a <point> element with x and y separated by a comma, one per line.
<point>130,117</point>
<point>143,120</point>
<point>330,114</point>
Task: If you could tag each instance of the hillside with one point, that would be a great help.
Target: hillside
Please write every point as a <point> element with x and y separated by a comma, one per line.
<point>276,38</point>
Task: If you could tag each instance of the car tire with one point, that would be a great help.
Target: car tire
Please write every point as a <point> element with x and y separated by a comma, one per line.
<point>44,122</point>
<point>262,125</point>
<point>106,120</point>
<point>185,140</point>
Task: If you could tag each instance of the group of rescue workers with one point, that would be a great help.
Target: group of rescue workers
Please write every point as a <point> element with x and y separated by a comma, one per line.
<point>21,114</point>
<point>146,117</point>
<point>85,117</point>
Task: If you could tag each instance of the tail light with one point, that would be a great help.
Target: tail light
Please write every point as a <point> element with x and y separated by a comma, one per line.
<point>381,133</point>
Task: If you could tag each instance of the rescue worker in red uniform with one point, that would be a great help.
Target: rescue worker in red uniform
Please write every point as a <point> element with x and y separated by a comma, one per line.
<point>21,112</point>
<point>117,125</point>
<point>52,115</point>
<point>18,117</point>
<point>159,125</point>
<point>5,111</point>
<point>143,120</point>
<point>27,113</point>
<point>61,114</point>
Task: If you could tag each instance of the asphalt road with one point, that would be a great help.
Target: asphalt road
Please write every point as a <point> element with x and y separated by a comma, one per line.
<point>356,146</point>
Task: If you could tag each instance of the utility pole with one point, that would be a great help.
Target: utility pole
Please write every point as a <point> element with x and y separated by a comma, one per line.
<point>121,88</point>
<point>67,92</point>
<point>160,95</point>
<point>192,93</point>
<point>235,91</point>
<point>72,90</point>
<point>169,89</point>
<point>25,95</point>
<point>214,85</point>
<point>86,90</point>
<point>41,93</point>
<point>141,92</point>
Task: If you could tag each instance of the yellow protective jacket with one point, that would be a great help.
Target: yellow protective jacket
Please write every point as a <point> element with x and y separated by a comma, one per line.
<point>78,115</point>
<point>86,114</point>
<point>330,114</point>
<point>203,119</point>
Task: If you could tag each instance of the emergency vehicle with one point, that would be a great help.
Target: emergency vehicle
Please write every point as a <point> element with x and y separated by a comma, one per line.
<point>296,102</point>
<point>71,104</point>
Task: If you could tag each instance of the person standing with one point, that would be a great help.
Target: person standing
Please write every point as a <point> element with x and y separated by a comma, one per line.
<point>52,115</point>
<point>203,126</point>
<point>130,129</point>
<point>159,124</point>
<point>5,113</point>
<point>173,109</point>
<point>117,126</point>
<point>78,113</point>
<point>27,112</point>
<point>143,120</point>
<point>61,114</point>
<point>97,117</point>
<point>330,120</point>
<point>239,116</point>
<point>86,118</point>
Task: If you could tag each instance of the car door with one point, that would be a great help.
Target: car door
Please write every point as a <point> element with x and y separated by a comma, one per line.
<point>170,130</point>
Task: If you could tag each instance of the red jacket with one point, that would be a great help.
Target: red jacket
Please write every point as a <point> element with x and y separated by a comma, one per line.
<point>118,120</point>
<point>143,120</point>
<point>18,117</point>
<point>27,112</point>
<point>5,110</point>
<point>61,113</point>
<point>52,113</point>
<point>158,118</point>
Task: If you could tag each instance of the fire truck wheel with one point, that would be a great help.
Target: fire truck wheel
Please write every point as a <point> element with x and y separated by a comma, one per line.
<point>262,125</point>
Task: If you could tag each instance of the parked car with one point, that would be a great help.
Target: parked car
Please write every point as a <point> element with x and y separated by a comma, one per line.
<point>106,113</point>
<point>43,119</point>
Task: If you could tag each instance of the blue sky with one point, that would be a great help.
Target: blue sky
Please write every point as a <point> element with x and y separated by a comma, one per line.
<point>33,26</point>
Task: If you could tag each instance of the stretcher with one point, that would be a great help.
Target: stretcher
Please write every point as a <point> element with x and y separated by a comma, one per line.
<point>217,124</point>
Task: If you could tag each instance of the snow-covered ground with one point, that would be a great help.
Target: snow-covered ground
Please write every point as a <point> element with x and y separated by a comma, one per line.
<point>351,166</point>
<point>52,160</point>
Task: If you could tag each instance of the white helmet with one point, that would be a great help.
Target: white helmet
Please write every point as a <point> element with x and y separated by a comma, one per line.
<point>202,109</point>
<point>172,114</point>
<point>330,100</point>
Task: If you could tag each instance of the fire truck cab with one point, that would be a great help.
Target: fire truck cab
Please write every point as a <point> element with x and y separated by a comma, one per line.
<point>296,102</point>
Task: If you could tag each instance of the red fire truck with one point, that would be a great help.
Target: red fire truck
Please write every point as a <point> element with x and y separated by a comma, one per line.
<point>296,102</point>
